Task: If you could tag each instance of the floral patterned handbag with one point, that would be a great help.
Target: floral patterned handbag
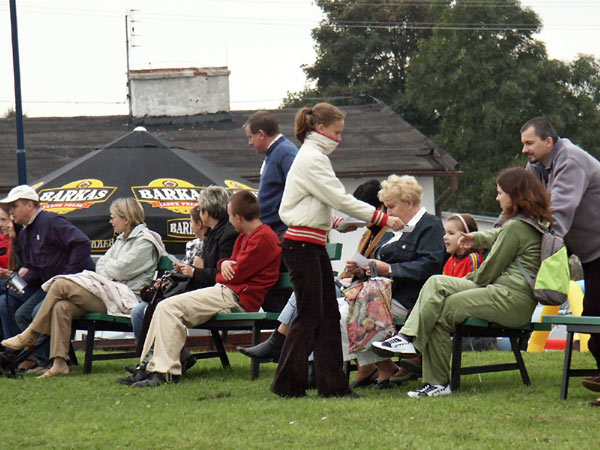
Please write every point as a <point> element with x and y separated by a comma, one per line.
<point>369,314</point>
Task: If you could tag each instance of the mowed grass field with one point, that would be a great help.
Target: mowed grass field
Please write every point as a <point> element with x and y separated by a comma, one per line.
<point>217,408</point>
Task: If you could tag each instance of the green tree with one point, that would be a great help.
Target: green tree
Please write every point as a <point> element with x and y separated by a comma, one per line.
<point>363,50</point>
<point>474,88</point>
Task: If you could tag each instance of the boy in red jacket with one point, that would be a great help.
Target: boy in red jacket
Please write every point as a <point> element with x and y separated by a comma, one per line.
<point>242,283</point>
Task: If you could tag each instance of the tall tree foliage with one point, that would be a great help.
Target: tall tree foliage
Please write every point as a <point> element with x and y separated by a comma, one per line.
<point>363,50</point>
<point>469,84</point>
<point>474,88</point>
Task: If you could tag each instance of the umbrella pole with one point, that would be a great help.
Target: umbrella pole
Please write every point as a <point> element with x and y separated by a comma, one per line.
<point>21,161</point>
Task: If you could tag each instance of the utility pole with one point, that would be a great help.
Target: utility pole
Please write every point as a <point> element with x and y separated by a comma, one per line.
<point>21,160</point>
<point>127,47</point>
<point>128,71</point>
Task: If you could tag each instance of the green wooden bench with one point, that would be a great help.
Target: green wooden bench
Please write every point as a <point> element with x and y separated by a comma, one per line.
<point>254,322</point>
<point>474,327</point>
<point>574,324</point>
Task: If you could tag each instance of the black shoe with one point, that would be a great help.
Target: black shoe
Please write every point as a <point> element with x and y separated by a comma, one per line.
<point>139,374</point>
<point>187,364</point>
<point>266,351</point>
<point>130,369</point>
<point>156,379</point>
<point>413,365</point>
<point>367,381</point>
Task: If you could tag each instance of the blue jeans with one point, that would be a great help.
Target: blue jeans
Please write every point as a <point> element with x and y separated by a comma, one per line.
<point>25,314</point>
<point>137,319</point>
<point>10,301</point>
<point>290,310</point>
<point>42,353</point>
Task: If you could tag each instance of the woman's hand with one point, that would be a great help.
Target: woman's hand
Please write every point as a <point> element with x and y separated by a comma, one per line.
<point>5,273</point>
<point>466,240</point>
<point>353,269</point>
<point>185,269</point>
<point>395,223</point>
<point>383,268</point>
<point>227,269</point>
<point>198,262</point>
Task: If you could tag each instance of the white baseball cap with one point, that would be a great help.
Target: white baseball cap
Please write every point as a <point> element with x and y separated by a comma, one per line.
<point>22,192</point>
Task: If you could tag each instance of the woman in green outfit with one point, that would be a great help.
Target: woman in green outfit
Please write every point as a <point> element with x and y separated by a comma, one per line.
<point>497,291</point>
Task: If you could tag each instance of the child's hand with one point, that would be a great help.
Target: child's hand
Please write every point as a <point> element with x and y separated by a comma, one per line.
<point>227,269</point>
<point>466,240</point>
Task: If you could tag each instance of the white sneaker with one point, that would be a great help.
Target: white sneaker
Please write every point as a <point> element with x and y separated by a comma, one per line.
<point>395,344</point>
<point>431,390</point>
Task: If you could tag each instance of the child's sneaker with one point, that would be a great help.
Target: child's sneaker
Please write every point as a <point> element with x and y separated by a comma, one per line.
<point>431,390</point>
<point>394,345</point>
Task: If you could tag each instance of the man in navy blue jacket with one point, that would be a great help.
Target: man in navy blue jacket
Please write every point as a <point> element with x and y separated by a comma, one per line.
<point>263,134</point>
<point>50,245</point>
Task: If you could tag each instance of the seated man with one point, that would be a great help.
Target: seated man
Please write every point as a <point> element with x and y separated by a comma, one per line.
<point>242,282</point>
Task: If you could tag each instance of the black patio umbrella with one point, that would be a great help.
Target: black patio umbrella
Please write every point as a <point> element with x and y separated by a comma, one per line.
<point>165,179</point>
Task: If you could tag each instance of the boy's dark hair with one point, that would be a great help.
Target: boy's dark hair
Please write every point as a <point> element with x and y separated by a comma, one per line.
<point>262,120</point>
<point>367,192</point>
<point>245,204</point>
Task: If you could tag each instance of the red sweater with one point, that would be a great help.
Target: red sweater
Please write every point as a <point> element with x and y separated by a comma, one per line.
<point>258,258</point>
<point>4,250</point>
<point>460,266</point>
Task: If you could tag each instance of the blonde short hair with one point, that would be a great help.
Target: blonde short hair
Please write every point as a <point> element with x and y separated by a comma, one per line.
<point>405,188</point>
<point>130,209</point>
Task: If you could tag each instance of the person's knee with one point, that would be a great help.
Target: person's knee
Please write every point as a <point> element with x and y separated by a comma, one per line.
<point>62,309</point>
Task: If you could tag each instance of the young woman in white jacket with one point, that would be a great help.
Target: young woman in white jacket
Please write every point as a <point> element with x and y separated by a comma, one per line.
<point>312,191</point>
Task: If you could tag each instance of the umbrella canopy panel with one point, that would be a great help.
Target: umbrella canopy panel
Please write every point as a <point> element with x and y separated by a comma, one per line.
<point>166,180</point>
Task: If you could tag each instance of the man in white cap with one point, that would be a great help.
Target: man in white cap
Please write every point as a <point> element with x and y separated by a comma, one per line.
<point>50,245</point>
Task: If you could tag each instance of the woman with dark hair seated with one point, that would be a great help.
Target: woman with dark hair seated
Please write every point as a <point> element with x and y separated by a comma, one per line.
<point>497,291</point>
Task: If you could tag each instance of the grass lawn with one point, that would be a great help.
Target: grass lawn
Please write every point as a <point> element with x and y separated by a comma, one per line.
<point>217,408</point>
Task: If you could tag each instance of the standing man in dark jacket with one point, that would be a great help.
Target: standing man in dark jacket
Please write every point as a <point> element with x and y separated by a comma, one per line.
<point>263,134</point>
<point>572,176</point>
<point>50,245</point>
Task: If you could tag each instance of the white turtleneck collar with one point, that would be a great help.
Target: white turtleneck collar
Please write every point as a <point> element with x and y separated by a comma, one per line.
<point>326,144</point>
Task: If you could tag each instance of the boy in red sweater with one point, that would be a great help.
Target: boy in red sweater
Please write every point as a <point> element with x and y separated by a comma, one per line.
<point>242,283</point>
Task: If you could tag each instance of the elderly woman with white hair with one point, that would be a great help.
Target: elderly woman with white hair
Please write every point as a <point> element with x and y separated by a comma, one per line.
<point>115,287</point>
<point>409,257</point>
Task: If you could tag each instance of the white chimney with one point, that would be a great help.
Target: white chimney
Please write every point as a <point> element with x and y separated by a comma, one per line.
<point>179,92</point>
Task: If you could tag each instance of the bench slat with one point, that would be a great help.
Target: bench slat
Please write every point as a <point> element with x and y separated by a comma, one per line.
<point>571,320</point>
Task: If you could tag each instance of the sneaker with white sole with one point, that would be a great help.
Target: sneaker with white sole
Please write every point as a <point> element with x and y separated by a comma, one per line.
<point>431,390</point>
<point>394,345</point>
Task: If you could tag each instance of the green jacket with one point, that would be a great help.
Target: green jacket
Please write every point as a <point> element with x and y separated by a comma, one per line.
<point>514,239</point>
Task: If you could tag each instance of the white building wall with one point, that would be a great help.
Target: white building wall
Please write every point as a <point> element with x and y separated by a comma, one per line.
<point>179,92</point>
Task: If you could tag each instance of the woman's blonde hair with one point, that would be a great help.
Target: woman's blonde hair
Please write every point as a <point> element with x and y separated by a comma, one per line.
<point>130,209</point>
<point>307,119</point>
<point>405,188</point>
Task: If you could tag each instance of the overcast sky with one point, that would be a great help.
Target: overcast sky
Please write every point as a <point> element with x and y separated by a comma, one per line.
<point>73,51</point>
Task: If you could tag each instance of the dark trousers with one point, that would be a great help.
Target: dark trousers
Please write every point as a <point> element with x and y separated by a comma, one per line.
<point>591,302</point>
<point>317,327</point>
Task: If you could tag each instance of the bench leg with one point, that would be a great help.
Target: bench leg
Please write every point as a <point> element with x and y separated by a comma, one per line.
<point>564,388</point>
<point>89,348</point>
<point>456,359</point>
<point>255,363</point>
<point>220,348</point>
<point>72,355</point>
<point>516,348</point>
